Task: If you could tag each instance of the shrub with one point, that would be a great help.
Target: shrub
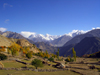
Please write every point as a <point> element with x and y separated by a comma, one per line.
<point>69,60</point>
<point>51,59</point>
<point>65,62</point>
<point>37,63</point>
<point>29,55</point>
<point>3,57</point>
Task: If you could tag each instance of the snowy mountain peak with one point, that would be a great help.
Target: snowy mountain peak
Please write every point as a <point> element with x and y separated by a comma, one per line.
<point>75,32</point>
<point>46,37</point>
<point>49,37</point>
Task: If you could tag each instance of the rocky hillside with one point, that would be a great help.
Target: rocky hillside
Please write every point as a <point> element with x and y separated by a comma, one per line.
<point>22,42</point>
<point>25,43</point>
<point>10,34</point>
<point>88,45</point>
<point>4,41</point>
<point>44,47</point>
<point>61,40</point>
<point>14,35</point>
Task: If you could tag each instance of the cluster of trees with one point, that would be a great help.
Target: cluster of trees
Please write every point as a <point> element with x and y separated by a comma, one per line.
<point>45,54</point>
<point>16,49</point>
<point>69,59</point>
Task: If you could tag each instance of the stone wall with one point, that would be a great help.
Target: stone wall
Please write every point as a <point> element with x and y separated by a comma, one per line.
<point>31,69</point>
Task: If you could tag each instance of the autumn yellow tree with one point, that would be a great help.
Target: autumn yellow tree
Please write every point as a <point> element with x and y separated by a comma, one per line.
<point>15,48</point>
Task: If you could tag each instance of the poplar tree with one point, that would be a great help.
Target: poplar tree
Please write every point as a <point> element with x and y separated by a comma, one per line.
<point>74,54</point>
<point>57,53</point>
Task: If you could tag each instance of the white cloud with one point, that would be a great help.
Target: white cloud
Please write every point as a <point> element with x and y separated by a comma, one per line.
<point>6,4</point>
<point>3,29</point>
<point>98,28</point>
<point>7,20</point>
<point>27,34</point>
<point>93,28</point>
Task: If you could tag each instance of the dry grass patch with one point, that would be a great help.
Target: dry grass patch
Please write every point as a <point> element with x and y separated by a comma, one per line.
<point>79,65</point>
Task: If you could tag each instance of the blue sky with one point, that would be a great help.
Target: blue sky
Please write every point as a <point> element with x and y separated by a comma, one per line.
<point>55,17</point>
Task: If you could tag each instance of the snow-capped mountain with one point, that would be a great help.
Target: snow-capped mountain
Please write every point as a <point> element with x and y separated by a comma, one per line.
<point>42,38</point>
<point>75,32</point>
<point>66,37</point>
<point>56,40</point>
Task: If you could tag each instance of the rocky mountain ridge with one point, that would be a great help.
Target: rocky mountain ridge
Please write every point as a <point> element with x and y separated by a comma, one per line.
<point>4,41</point>
<point>78,38</point>
<point>88,45</point>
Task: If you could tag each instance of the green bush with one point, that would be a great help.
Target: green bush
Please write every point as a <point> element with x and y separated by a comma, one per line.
<point>69,60</point>
<point>51,59</point>
<point>3,56</point>
<point>37,63</point>
<point>29,55</point>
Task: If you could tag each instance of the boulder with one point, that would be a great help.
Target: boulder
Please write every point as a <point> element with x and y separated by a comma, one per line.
<point>62,65</point>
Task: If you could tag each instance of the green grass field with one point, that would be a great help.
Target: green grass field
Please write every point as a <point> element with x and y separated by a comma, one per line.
<point>15,64</point>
